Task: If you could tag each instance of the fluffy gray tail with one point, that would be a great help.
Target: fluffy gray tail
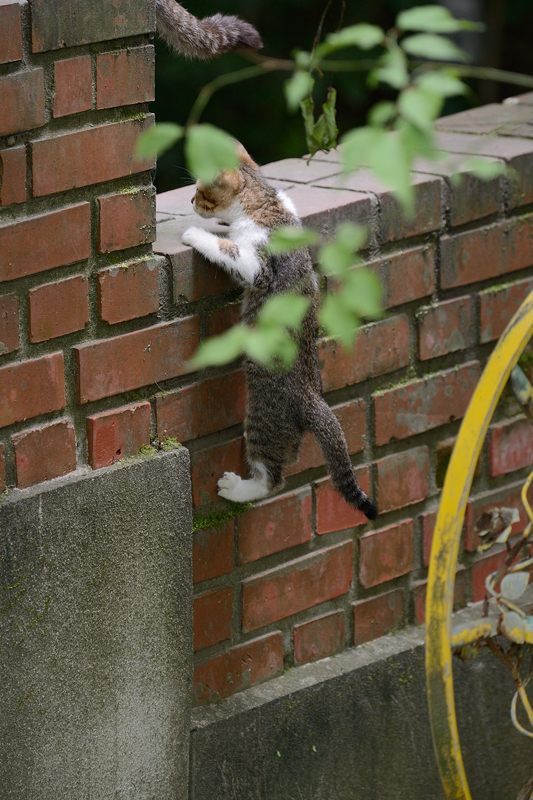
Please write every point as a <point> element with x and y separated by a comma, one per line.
<point>325,425</point>
<point>202,38</point>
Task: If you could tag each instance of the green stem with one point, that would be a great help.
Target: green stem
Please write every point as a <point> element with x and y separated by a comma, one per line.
<point>207,91</point>
<point>485,73</point>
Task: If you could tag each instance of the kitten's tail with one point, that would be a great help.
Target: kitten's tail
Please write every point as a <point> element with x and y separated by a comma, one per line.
<point>202,38</point>
<point>325,425</point>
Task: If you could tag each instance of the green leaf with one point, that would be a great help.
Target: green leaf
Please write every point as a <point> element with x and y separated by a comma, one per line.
<point>483,168</point>
<point>441,83</point>
<point>209,151</point>
<point>363,293</point>
<point>432,46</point>
<point>303,59</point>
<point>381,113</point>
<point>391,69</point>
<point>221,349</point>
<point>157,139</point>
<point>364,36</point>
<point>433,19</point>
<point>417,142</point>
<point>337,257</point>
<point>291,237</point>
<point>355,148</point>
<point>338,320</point>
<point>351,236</point>
<point>419,107</point>
<point>322,134</point>
<point>390,161</point>
<point>298,86</point>
<point>286,309</point>
<point>271,346</point>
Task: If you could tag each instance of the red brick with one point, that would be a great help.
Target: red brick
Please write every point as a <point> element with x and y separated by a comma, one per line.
<point>239,668</point>
<point>73,86</point>
<point>209,465</point>
<point>13,176</point>
<point>193,277</point>
<point>212,613</point>
<point>118,433</point>
<point>125,77</point>
<point>30,388</point>
<point>443,454</point>
<point>212,554</point>
<point>140,358</point>
<point>379,348</point>
<point>498,305</point>
<point>446,327</point>
<point>70,241</point>
<point>44,453</point>
<point>510,446</point>
<point>460,594</point>
<point>129,291</point>
<point>403,478</point>
<point>376,616</point>
<point>202,408</point>
<point>222,319</point>
<point>424,404</point>
<point>71,25</point>
<point>10,31</point>
<point>506,497</point>
<point>92,155</point>
<point>333,513</point>
<point>486,252</point>
<point>352,417</point>
<point>406,276</point>
<point>481,569</point>
<point>9,323</point>
<point>428,528</point>
<point>386,554</point>
<point>22,101</point>
<point>2,468</point>
<point>126,220</point>
<point>297,585</point>
<point>319,638</point>
<point>58,308</point>
<point>275,525</point>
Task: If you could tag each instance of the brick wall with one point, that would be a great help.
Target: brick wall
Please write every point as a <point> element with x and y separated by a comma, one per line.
<point>96,330</point>
<point>303,575</point>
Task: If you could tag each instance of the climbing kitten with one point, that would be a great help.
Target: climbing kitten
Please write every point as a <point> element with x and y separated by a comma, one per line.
<point>282,406</point>
<point>202,38</point>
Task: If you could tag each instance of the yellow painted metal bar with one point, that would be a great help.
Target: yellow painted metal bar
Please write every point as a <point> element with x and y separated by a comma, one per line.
<point>445,549</point>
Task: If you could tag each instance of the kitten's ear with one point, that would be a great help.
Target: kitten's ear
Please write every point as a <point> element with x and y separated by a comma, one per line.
<point>245,158</point>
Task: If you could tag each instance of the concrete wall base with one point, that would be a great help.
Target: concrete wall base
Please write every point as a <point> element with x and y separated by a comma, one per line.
<point>95,635</point>
<point>355,727</point>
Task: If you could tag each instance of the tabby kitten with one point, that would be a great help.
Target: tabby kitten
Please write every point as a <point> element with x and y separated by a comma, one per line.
<point>282,406</point>
<point>202,38</point>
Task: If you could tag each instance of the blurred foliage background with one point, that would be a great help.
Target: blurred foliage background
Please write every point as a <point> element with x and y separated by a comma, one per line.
<point>255,111</point>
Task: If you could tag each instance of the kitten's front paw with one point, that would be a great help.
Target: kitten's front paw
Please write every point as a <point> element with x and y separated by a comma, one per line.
<point>190,236</point>
<point>228,484</point>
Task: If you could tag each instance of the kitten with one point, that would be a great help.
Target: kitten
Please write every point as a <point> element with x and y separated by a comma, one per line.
<point>282,406</point>
<point>202,38</point>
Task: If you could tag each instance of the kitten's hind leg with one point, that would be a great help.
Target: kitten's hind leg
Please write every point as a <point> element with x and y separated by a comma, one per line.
<point>233,487</point>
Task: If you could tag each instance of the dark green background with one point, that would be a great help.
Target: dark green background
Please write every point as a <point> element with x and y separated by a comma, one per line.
<point>255,111</point>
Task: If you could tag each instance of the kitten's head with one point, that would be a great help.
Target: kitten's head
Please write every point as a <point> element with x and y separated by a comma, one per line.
<point>221,198</point>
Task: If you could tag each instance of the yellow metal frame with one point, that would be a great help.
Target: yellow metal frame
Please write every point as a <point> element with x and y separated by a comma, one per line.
<point>445,549</point>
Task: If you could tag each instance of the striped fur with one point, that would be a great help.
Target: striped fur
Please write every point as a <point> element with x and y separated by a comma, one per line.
<point>282,405</point>
<point>202,38</point>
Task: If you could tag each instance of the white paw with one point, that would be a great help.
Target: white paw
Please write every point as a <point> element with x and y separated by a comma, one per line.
<point>228,485</point>
<point>190,236</point>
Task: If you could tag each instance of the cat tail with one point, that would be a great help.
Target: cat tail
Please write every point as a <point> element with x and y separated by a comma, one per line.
<point>324,424</point>
<point>202,38</point>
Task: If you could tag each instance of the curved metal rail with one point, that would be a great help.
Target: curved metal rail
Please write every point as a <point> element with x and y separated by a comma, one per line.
<point>445,549</point>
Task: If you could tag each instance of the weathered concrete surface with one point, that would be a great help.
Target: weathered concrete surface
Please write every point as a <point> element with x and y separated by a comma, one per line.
<point>95,635</point>
<point>355,727</point>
